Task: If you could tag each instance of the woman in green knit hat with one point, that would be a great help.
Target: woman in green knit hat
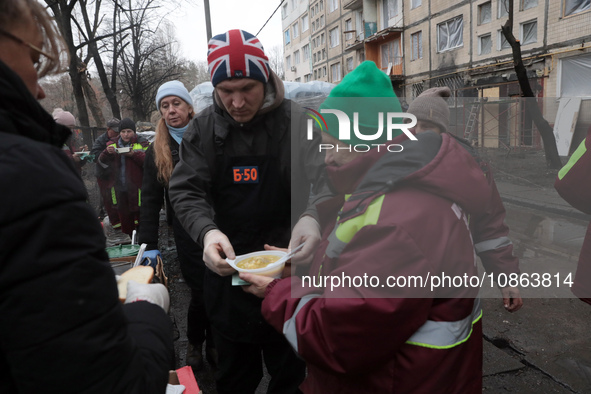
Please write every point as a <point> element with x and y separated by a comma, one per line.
<point>395,215</point>
<point>366,96</point>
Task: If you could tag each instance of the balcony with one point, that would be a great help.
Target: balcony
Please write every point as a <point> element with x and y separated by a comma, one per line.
<point>353,4</point>
<point>357,44</point>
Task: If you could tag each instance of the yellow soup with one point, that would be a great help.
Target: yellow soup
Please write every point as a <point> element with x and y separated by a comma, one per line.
<point>255,262</point>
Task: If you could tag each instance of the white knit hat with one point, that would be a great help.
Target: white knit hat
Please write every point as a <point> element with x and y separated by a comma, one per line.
<point>173,88</point>
<point>64,118</point>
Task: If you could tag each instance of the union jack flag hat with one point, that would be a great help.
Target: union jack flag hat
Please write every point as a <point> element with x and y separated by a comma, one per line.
<point>237,54</point>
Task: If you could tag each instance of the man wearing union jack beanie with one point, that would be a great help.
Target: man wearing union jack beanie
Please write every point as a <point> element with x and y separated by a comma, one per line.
<point>243,178</point>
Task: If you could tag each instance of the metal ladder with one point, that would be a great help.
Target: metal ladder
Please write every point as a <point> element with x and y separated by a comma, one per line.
<point>474,110</point>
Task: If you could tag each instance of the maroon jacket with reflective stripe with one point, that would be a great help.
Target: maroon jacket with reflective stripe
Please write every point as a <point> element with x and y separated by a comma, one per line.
<point>134,170</point>
<point>354,338</point>
<point>573,183</point>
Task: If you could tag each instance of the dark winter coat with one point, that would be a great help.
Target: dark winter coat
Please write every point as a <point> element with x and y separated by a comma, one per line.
<point>213,136</point>
<point>98,147</point>
<point>134,171</point>
<point>63,329</point>
<point>155,195</point>
<point>400,215</point>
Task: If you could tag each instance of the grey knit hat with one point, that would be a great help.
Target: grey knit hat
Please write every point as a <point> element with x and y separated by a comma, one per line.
<point>431,106</point>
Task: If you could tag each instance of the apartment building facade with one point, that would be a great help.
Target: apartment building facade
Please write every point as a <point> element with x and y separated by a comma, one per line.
<point>322,49</point>
<point>426,43</point>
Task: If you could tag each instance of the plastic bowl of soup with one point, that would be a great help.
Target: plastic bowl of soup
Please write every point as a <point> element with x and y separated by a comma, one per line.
<point>125,149</point>
<point>266,263</point>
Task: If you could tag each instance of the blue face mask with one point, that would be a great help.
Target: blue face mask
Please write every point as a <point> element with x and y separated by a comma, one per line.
<point>177,133</point>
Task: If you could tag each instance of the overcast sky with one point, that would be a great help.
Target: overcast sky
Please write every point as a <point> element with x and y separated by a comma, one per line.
<point>189,21</point>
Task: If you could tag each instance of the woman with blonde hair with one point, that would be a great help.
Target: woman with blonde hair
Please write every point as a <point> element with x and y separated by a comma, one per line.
<point>176,109</point>
<point>61,314</point>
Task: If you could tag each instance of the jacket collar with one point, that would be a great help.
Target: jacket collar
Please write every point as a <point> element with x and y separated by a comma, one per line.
<point>435,164</point>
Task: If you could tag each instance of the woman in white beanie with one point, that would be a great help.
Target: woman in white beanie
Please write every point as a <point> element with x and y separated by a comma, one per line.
<point>176,108</point>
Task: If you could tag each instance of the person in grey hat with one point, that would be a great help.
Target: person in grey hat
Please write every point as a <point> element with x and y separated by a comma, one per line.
<point>489,231</point>
<point>431,110</point>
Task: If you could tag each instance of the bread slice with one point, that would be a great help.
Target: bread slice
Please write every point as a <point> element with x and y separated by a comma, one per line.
<point>141,274</point>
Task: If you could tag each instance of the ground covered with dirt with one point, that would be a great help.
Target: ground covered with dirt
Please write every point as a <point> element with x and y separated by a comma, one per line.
<point>520,166</point>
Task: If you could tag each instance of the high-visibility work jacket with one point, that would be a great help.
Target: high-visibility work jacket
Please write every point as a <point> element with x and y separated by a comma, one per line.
<point>134,147</point>
<point>573,183</point>
<point>366,317</point>
<point>125,173</point>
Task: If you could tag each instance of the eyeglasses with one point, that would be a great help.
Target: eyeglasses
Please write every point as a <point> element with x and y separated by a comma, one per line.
<point>33,47</point>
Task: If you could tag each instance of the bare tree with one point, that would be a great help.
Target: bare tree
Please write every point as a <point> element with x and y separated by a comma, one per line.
<point>97,47</point>
<point>193,73</point>
<point>150,59</point>
<point>58,92</point>
<point>275,55</point>
<point>546,132</point>
<point>62,11</point>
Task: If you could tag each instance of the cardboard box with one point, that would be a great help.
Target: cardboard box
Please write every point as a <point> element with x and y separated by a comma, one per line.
<point>185,377</point>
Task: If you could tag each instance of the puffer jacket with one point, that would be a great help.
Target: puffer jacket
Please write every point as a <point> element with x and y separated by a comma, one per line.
<point>573,183</point>
<point>63,329</point>
<point>400,216</point>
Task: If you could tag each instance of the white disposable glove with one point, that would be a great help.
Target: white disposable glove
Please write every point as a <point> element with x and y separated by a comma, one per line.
<point>214,244</point>
<point>154,293</point>
<point>306,230</point>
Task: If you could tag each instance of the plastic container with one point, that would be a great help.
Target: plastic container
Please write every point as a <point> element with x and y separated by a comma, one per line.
<point>126,149</point>
<point>272,270</point>
<point>119,251</point>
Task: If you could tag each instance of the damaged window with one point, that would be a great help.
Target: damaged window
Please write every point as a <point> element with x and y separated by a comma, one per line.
<point>417,45</point>
<point>529,32</point>
<point>335,71</point>
<point>484,13</point>
<point>527,4</point>
<point>503,8</point>
<point>334,37</point>
<point>450,34</point>
<point>503,43</point>
<point>576,6</point>
<point>390,52</point>
<point>485,44</point>
<point>390,10</point>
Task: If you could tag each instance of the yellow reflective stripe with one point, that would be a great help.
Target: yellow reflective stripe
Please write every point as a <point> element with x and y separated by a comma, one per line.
<point>573,159</point>
<point>117,225</point>
<point>139,197</point>
<point>445,335</point>
<point>113,196</point>
<point>137,146</point>
<point>347,230</point>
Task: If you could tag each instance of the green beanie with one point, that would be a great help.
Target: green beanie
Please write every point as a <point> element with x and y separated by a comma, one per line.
<point>368,91</point>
